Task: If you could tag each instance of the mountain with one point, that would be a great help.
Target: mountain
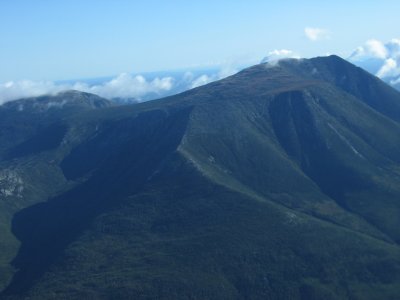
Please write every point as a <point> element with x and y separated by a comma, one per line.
<point>280,182</point>
<point>67,99</point>
<point>123,101</point>
<point>30,131</point>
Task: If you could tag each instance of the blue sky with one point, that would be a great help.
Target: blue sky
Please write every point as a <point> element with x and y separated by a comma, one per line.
<point>56,40</point>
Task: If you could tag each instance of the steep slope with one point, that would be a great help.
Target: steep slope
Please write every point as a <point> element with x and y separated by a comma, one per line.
<point>31,131</point>
<point>281,182</point>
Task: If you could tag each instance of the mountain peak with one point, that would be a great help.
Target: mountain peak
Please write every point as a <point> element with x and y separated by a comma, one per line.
<point>330,70</point>
<point>65,99</point>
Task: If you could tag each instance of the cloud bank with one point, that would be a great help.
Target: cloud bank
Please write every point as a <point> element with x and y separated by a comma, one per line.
<point>124,85</point>
<point>381,59</point>
<point>26,88</point>
<point>128,86</point>
<point>275,55</point>
<point>315,34</point>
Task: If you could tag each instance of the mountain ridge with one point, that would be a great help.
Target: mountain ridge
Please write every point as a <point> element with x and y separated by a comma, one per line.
<point>275,182</point>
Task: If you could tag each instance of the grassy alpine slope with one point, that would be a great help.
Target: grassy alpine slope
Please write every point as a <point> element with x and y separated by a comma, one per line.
<point>280,182</point>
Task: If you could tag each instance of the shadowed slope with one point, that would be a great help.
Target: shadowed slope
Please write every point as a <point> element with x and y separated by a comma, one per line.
<point>133,150</point>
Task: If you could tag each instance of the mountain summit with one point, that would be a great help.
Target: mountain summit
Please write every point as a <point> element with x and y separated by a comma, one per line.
<point>280,182</point>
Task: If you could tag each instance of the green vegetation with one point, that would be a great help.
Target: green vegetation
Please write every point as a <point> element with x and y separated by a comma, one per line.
<point>281,182</point>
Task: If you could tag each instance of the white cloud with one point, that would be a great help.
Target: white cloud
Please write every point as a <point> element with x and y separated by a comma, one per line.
<point>27,88</point>
<point>274,56</point>
<point>124,86</point>
<point>389,69</point>
<point>381,59</point>
<point>371,49</point>
<point>376,48</point>
<point>315,34</point>
<point>203,79</point>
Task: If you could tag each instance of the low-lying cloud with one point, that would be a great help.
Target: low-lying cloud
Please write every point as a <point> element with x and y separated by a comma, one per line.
<point>207,78</point>
<point>275,55</point>
<point>124,85</point>
<point>26,88</point>
<point>127,86</point>
<point>381,59</point>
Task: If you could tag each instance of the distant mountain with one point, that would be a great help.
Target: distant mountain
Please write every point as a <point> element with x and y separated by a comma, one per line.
<point>280,182</point>
<point>67,99</point>
<point>40,118</point>
<point>124,100</point>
